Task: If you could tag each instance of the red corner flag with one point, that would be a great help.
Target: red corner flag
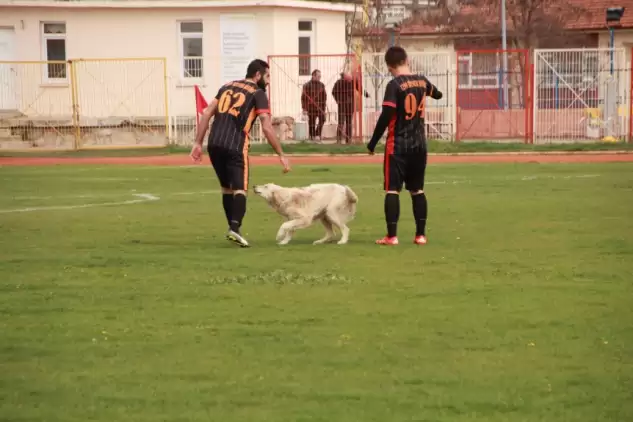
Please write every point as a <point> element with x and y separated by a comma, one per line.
<point>201,104</point>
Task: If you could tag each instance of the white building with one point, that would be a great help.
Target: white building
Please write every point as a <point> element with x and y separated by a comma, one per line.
<point>140,59</point>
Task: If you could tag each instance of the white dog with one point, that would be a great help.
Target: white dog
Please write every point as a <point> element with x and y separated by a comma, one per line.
<point>332,204</point>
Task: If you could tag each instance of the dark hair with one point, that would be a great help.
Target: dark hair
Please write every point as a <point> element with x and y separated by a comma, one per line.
<point>395,56</point>
<point>255,66</point>
<point>314,72</point>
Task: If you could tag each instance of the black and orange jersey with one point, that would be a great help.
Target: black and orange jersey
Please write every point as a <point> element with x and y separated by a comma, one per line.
<point>407,95</point>
<point>239,103</point>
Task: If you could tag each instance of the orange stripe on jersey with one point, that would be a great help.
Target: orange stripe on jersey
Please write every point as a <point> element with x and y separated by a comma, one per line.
<point>389,148</point>
<point>249,121</point>
<point>245,159</point>
<point>247,139</point>
<point>389,104</point>
<point>391,136</point>
<point>262,111</point>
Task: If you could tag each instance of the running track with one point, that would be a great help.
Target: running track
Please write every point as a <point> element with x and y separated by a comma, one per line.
<point>184,160</point>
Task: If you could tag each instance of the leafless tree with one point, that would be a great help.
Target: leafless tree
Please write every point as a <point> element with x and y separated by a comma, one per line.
<point>530,24</point>
<point>372,35</point>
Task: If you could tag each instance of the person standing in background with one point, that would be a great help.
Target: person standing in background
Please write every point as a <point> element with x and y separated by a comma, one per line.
<point>313,101</point>
<point>343,93</point>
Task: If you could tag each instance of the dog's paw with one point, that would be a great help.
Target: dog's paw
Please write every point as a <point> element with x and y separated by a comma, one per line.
<point>342,242</point>
<point>284,239</point>
<point>322,241</point>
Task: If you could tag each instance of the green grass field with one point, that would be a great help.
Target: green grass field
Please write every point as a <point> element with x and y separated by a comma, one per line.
<point>520,308</point>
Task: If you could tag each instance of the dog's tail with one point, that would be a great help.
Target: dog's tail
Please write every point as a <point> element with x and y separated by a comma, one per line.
<point>351,196</point>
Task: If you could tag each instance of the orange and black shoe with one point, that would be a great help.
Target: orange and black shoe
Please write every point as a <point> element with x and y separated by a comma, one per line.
<point>420,240</point>
<point>388,241</point>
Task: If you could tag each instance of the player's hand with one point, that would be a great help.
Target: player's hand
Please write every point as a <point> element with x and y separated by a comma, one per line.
<point>285,163</point>
<point>370,151</point>
<point>196,153</point>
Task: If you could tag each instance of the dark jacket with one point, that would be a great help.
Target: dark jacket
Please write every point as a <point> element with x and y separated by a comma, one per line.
<point>343,92</point>
<point>313,97</point>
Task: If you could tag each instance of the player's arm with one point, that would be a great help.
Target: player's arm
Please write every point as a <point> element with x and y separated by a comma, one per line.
<point>262,109</point>
<point>388,111</point>
<point>203,126</point>
<point>269,133</point>
<point>432,91</point>
<point>381,125</point>
<point>205,118</point>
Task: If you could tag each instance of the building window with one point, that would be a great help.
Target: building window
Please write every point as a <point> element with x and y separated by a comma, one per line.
<point>191,49</point>
<point>479,71</point>
<point>464,71</point>
<point>54,49</point>
<point>306,47</point>
<point>591,66</point>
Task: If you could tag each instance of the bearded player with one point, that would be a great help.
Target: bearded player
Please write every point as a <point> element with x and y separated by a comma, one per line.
<point>235,108</point>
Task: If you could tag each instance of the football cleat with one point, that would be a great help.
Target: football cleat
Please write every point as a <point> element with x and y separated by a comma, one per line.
<point>420,240</point>
<point>387,241</point>
<point>237,238</point>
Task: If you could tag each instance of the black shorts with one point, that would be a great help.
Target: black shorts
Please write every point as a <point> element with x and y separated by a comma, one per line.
<point>405,169</point>
<point>231,167</point>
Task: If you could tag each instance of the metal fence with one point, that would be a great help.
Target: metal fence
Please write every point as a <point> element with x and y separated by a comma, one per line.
<point>298,104</point>
<point>547,96</point>
<point>182,110</point>
<point>436,66</point>
<point>543,96</point>
<point>581,95</point>
<point>36,103</point>
<point>83,104</point>
<point>492,103</point>
<point>572,95</point>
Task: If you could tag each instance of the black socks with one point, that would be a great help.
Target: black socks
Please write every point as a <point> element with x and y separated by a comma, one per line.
<point>227,203</point>
<point>420,212</point>
<point>392,213</point>
<point>238,211</point>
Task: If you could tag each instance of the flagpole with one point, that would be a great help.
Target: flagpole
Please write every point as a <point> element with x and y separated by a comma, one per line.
<point>504,46</point>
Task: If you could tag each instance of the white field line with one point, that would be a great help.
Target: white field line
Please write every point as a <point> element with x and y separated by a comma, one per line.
<point>578,176</point>
<point>90,195</point>
<point>109,195</point>
<point>142,197</point>
<point>145,197</point>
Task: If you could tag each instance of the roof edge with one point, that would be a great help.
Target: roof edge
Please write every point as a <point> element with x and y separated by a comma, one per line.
<point>404,32</point>
<point>177,4</point>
